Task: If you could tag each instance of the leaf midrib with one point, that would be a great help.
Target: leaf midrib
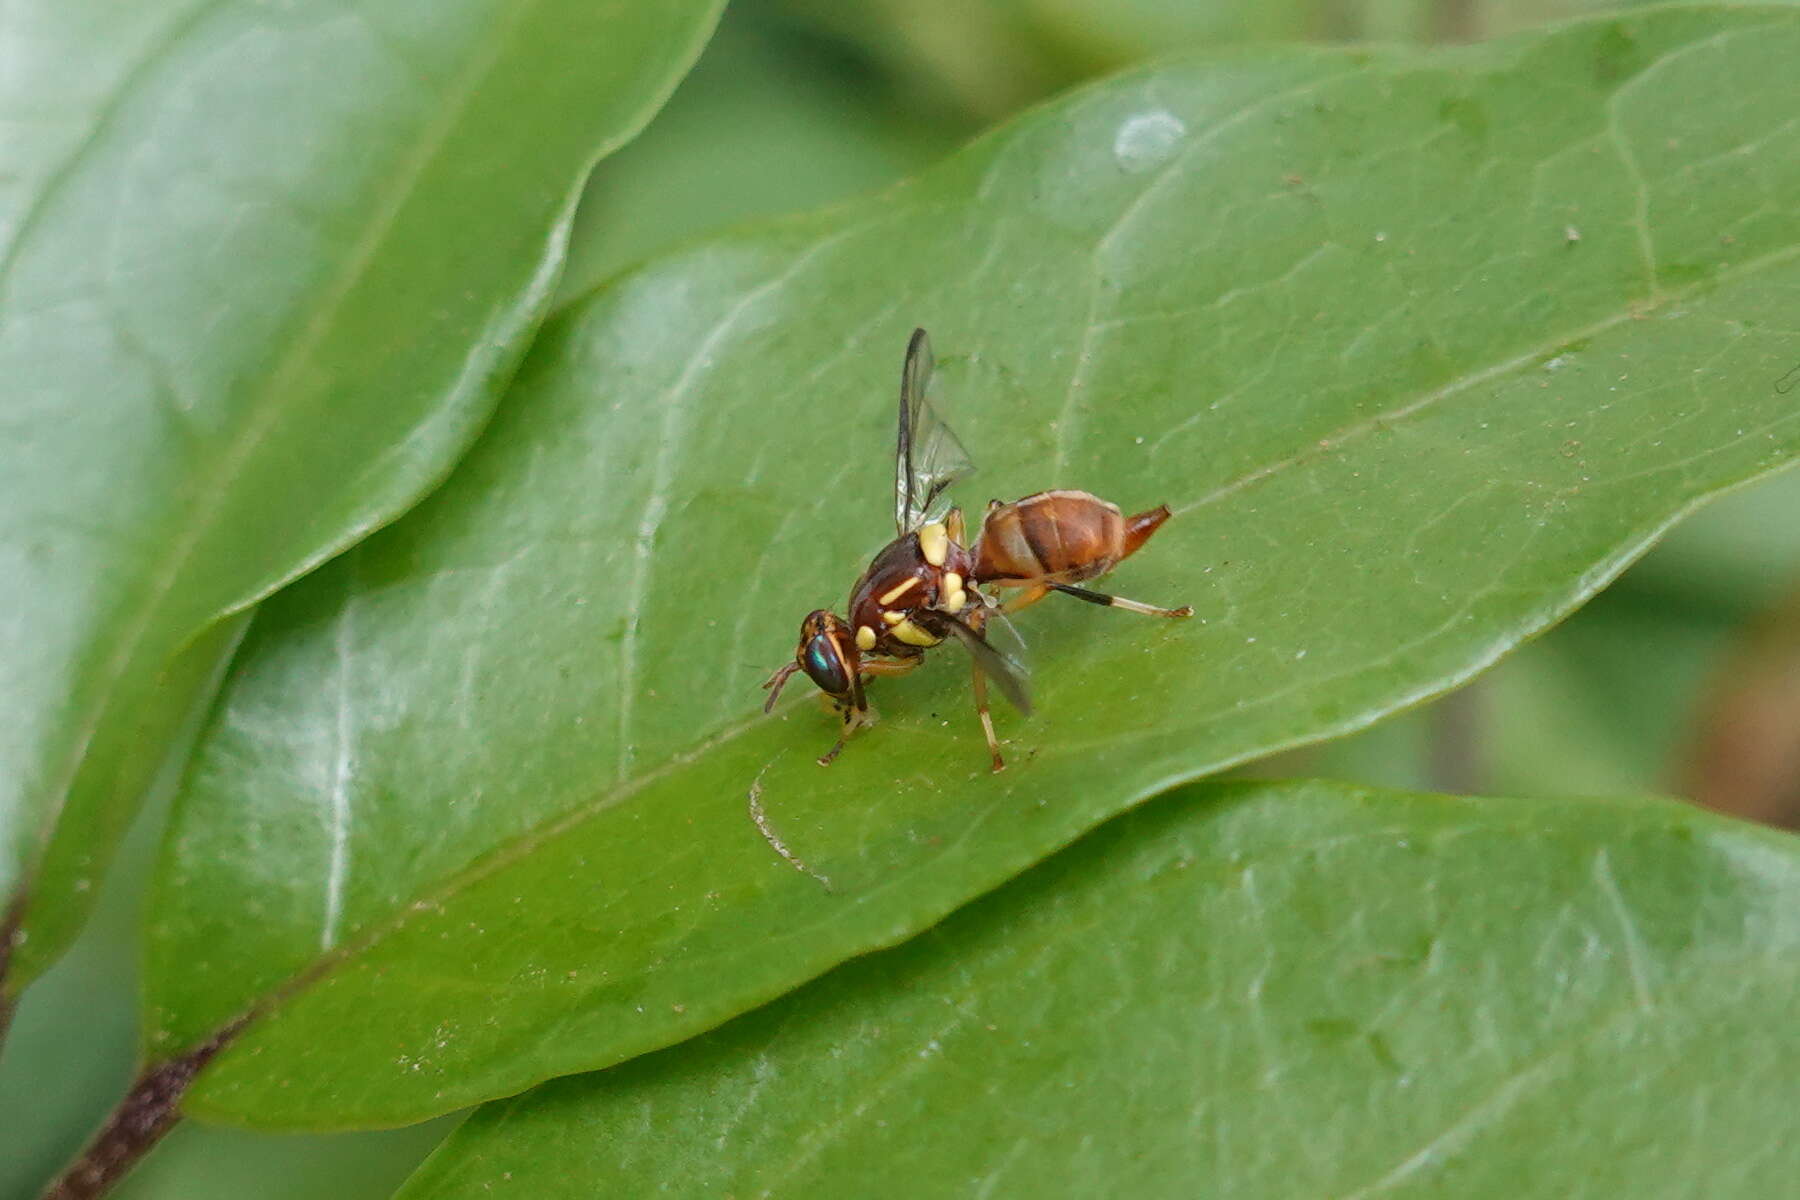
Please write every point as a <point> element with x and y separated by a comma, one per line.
<point>1065,421</point>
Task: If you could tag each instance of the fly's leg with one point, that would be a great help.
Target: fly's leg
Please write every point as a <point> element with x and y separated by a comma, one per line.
<point>850,724</point>
<point>856,718</point>
<point>1137,606</point>
<point>890,666</point>
<point>979,684</point>
<point>1026,597</point>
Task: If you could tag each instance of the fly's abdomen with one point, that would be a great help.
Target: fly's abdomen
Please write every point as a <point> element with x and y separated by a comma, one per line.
<point>1054,537</point>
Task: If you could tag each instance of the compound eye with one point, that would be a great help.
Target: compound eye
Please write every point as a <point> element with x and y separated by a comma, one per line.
<point>825,665</point>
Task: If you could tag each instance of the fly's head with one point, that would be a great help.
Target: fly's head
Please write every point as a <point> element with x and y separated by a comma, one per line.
<point>827,653</point>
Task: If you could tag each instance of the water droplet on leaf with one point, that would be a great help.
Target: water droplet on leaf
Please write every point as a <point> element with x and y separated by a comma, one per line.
<point>1147,140</point>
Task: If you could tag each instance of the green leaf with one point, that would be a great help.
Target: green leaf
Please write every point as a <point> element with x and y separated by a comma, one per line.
<point>1290,989</point>
<point>473,813</point>
<point>802,134</point>
<point>202,1163</point>
<point>264,270</point>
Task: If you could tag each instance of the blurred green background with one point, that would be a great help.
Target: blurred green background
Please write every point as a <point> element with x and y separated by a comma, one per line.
<point>1684,677</point>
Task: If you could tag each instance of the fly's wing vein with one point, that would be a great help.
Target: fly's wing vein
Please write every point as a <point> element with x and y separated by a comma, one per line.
<point>1005,670</point>
<point>928,458</point>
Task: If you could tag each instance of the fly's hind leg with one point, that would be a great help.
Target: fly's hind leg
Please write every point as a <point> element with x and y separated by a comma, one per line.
<point>1137,606</point>
<point>1027,597</point>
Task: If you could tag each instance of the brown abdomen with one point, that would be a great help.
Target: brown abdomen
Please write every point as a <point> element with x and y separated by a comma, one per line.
<point>1055,537</point>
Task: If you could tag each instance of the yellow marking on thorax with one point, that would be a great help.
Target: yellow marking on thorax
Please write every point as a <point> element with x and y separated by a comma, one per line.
<point>952,597</point>
<point>898,590</point>
<point>912,635</point>
<point>934,543</point>
<point>893,618</point>
<point>865,638</point>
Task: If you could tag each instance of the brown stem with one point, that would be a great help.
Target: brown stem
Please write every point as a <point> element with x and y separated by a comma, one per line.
<point>9,935</point>
<point>148,1111</point>
<point>1455,21</point>
<point>1744,757</point>
<point>1454,757</point>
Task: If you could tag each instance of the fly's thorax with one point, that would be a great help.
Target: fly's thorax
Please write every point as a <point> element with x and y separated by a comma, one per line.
<point>1058,537</point>
<point>914,576</point>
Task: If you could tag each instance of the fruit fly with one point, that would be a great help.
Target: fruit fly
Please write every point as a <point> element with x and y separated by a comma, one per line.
<point>925,587</point>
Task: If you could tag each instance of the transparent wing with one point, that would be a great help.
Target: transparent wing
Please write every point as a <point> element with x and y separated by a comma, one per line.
<point>1004,637</point>
<point>1000,653</point>
<point>927,456</point>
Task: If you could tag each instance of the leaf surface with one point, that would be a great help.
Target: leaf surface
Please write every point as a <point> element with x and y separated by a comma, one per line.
<point>262,271</point>
<point>1292,989</point>
<point>474,811</point>
<point>802,134</point>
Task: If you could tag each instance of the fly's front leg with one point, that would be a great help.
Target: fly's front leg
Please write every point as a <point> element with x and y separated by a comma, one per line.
<point>856,718</point>
<point>1137,606</point>
<point>852,721</point>
<point>890,666</point>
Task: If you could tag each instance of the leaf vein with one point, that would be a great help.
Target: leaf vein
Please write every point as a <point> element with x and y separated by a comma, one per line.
<point>673,435</point>
<point>1065,420</point>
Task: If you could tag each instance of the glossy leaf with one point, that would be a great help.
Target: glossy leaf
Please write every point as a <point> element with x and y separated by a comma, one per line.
<point>1422,349</point>
<point>1299,989</point>
<point>802,134</point>
<point>264,268</point>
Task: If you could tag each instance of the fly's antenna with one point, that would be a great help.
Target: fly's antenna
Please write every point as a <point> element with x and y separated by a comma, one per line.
<point>773,685</point>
